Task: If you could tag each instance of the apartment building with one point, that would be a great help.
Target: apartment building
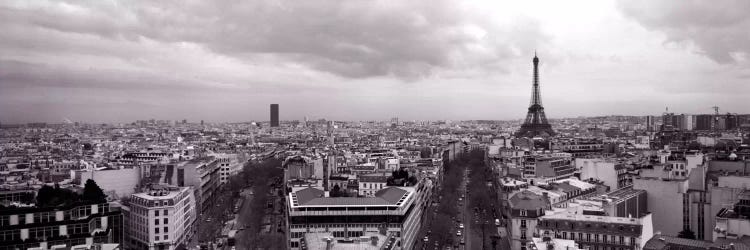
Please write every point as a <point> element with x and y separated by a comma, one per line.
<point>161,218</point>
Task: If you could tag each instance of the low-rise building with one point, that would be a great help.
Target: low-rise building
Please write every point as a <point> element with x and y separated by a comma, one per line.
<point>371,184</point>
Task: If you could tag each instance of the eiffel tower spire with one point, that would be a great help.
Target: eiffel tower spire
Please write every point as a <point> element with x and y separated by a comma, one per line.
<point>536,121</point>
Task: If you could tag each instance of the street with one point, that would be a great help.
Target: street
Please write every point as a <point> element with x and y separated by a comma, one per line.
<point>243,238</point>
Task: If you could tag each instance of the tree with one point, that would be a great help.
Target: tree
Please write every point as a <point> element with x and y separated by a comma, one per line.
<point>92,192</point>
<point>336,191</point>
<point>425,152</point>
<point>44,195</point>
<point>49,197</point>
<point>686,234</point>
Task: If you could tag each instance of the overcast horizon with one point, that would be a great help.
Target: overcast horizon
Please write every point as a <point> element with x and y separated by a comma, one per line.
<point>121,61</point>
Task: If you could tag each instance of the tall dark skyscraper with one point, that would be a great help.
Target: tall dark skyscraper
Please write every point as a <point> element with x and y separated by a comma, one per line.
<point>274,115</point>
<point>536,121</point>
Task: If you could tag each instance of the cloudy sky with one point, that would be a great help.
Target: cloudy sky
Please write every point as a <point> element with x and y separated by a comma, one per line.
<point>227,60</point>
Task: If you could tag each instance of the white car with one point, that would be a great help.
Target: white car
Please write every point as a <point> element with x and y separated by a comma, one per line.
<point>461,226</point>
<point>458,233</point>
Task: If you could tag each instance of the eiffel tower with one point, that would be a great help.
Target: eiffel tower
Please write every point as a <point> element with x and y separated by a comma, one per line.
<point>536,122</point>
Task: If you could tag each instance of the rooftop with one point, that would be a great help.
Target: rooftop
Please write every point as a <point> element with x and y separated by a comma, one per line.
<point>373,178</point>
<point>592,218</point>
<point>554,244</point>
<point>668,242</point>
<point>320,241</point>
<point>391,196</point>
<point>527,200</point>
<point>577,183</point>
<point>618,195</point>
<point>160,192</point>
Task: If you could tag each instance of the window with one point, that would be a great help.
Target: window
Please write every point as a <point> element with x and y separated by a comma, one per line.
<point>622,240</point>
<point>523,223</point>
<point>580,236</point>
<point>166,237</point>
<point>156,212</point>
<point>572,236</point>
<point>166,221</point>
<point>4,220</point>
<point>565,235</point>
<point>156,221</point>
<point>156,238</point>
<point>523,234</point>
<point>596,237</point>
<point>523,212</point>
<point>166,229</point>
<point>588,237</point>
<point>156,230</point>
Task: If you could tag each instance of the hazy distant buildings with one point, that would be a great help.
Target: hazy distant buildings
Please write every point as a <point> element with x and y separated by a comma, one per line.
<point>700,122</point>
<point>650,123</point>
<point>274,115</point>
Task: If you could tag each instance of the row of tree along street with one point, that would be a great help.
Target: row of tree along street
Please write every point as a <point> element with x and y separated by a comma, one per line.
<point>443,224</point>
<point>483,200</point>
<point>263,177</point>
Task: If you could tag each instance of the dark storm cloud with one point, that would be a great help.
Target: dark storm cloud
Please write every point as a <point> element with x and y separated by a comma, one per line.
<point>720,29</point>
<point>355,39</point>
<point>16,74</point>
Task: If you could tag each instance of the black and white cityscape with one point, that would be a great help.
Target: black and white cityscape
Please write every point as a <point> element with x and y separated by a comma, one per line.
<point>375,125</point>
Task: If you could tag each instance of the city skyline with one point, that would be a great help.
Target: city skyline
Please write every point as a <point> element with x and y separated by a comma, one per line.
<point>120,62</point>
<point>374,124</point>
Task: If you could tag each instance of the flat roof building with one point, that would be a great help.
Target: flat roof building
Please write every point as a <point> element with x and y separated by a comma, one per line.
<point>392,210</point>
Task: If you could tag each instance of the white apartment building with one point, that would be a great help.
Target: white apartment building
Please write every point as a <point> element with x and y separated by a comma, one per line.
<point>371,184</point>
<point>229,165</point>
<point>161,218</point>
<point>597,232</point>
